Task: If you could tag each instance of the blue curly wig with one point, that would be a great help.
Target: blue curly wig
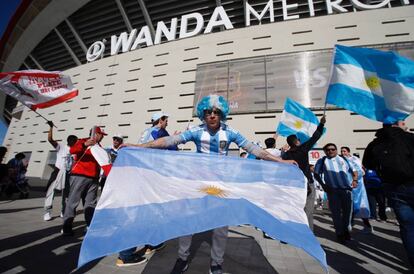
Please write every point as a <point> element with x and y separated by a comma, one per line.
<point>210,102</point>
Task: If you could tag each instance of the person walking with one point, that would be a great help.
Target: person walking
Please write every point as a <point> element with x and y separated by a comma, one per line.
<point>57,180</point>
<point>84,179</point>
<point>359,194</point>
<point>337,177</point>
<point>391,155</point>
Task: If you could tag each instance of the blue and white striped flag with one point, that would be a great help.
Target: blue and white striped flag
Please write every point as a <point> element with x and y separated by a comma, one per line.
<point>376,84</point>
<point>297,119</point>
<point>152,196</point>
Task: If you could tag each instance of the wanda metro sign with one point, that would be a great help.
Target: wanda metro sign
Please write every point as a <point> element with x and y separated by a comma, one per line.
<point>138,38</point>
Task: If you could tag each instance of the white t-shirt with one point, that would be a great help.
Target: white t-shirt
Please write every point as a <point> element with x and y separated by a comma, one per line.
<point>61,153</point>
<point>274,151</point>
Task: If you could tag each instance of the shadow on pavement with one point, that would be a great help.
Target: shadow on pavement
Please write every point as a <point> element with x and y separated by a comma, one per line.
<point>371,246</point>
<point>56,255</point>
<point>243,255</point>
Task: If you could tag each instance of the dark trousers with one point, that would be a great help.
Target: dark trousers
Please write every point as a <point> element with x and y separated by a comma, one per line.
<point>376,196</point>
<point>340,204</point>
<point>401,199</point>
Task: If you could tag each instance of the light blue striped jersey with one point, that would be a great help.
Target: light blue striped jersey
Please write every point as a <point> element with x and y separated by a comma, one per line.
<point>357,165</point>
<point>217,143</point>
<point>337,172</point>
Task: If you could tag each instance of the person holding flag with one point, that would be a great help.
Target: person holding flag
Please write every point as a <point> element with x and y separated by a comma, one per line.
<point>359,193</point>
<point>58,178</point>
<point>300,121</point>
<point>90,157</point>
<point>213,136</point>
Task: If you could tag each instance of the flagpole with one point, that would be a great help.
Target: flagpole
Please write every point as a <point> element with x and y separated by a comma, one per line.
<point>37,113</point>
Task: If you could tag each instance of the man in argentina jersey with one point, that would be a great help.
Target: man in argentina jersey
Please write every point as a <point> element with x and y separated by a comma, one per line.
<point>339,177</point>
<point>213,136</point>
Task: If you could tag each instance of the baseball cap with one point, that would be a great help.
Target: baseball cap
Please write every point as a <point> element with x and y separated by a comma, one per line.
<point>99,130</point>
<point>156,116</point>
<point>119,136</point>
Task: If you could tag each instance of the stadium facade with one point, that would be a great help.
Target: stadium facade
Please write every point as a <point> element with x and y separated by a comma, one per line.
<point>131,58</point>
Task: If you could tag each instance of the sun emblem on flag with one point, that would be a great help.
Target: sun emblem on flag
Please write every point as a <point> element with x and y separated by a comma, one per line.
<point>373,82</point>
<point>298,124</point>
<point>213,191</point>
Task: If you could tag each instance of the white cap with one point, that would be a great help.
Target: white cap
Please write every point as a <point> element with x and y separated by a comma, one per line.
<point>158,115</point>
<point>118,135</point>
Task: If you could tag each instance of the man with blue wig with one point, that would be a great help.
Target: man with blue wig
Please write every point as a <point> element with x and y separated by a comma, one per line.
<point>213,136</point>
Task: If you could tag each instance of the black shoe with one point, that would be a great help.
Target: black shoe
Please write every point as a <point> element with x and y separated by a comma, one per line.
<point>180,266</point>
<point>66,232</point>
<point>134,261</point>
<point>216,269</point>
<point>341,239</point>
<point>151,248</point>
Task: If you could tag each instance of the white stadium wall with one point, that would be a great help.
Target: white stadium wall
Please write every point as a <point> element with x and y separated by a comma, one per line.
<point>122,91</point>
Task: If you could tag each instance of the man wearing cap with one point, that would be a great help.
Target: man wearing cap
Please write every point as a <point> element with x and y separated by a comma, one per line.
<point>213,136</point>
<point>84,177</point>
<point>112,151</point>
<point>158,130</point>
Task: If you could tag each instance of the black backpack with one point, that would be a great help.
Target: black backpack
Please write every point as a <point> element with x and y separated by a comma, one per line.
<point>394,159</point>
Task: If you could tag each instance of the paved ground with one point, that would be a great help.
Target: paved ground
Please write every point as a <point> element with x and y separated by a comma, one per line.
<point>30,245</point>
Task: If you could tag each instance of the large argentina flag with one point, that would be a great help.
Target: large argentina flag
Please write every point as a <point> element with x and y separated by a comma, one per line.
<point>297,119</point>
<point>152,196</point>
<point>376,84</point>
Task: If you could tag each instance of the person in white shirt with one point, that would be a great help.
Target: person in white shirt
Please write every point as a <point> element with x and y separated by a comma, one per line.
<point>58,178</point>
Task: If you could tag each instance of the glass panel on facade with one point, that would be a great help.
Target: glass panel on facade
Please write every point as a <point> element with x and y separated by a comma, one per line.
<point>247,89</point>
<point>211,79</point>
<point>262,84</point>
<point>302,77</point>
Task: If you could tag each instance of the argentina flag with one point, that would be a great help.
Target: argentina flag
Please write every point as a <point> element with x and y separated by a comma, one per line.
<point>297,119</point>
<point>152,195</point>
<point>376,84</point>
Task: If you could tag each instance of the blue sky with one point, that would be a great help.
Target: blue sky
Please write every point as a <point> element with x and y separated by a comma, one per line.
<point>7,9</point>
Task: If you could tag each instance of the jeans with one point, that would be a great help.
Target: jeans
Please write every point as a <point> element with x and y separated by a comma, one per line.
<point>340,204</point>
<point>401,199</point>
<point>376,195</point>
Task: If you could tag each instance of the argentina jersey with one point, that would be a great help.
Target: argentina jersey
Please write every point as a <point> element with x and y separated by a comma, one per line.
<point>217,143</point>
<point>337,172</point>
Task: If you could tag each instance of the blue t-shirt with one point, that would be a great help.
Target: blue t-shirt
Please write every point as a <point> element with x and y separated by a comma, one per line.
<point>213,143</point>
<point>154,133</point>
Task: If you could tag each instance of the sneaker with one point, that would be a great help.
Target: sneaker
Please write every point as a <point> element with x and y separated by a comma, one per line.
<point>216,269</point>
<point>47,216</point>
<point>180,266</point>
<point>367,230</point>
<point>134,261</point>
<point>151,249</point>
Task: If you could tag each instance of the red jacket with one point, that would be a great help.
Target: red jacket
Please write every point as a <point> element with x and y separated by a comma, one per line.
<point>85,164</point>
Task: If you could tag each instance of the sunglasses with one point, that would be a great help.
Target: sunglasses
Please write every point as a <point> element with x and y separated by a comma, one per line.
<point>208,112</point>
<point>330,149</point>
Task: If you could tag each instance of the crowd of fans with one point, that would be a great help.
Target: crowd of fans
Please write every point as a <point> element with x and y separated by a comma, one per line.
<point>385,176</point>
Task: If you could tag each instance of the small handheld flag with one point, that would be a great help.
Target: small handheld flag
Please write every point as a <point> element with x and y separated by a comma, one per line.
<point>376,84</point>
<point>297,119</point>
